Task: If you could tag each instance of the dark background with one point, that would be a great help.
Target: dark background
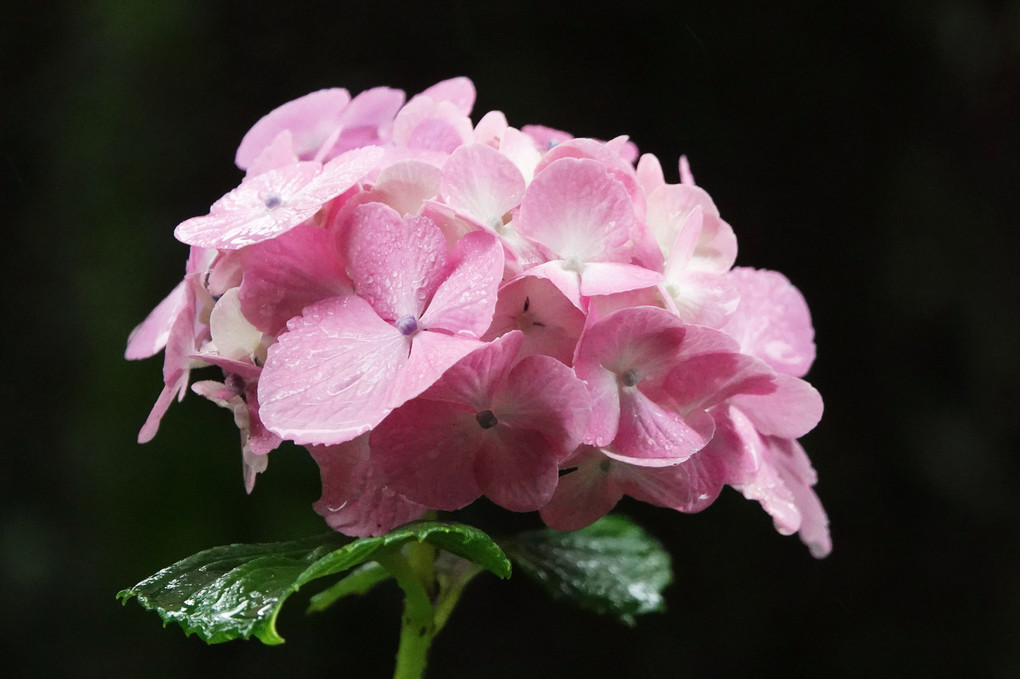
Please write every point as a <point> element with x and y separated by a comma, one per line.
<point>868,149</point>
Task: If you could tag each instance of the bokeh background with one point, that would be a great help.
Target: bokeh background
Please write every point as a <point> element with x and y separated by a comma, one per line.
<point>868,149</point>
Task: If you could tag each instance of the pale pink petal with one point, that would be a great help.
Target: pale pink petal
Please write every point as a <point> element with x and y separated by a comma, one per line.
<point>568,282</point>
<point>545,138</point>
<point>464,302</point>
<point>368,119</point>
<point>310,119</point>
<point>406,185</point>
<point>550,323</point>
<point>479,181</point>
<point>520,149</point>
<point>577,210</point>
<point>330,376</point>
<point>649,173</point>
<point>279,153</point>
<point>150,336</point>
<point>490,129</point>
<point>772,321</point>
<point>276,201</point>
<point>793,409</point>
<point>459,91</point>
<point>606,278</point>
<point>232,334</point>
<point>395,263</point>
<point>425,451</point>
<point>685,171</point>
<point>798,475</point>
<point>425,123</point>
<point>284,275</point>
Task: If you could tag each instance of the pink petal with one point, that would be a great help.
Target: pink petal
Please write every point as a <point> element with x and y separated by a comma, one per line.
<point>432,354</point>
<point>279,153</point>
<point>772,321</point>
<point>395,262</point>
<point>516,468</point>
<point>150,336</point>
<point>425,451</point>
<point>459,91</point>
<point>284,275</point>
<point>464,302</point>
<point>652,434</point>
<point>474,380</point>
<point>310,119</point>
<point>686,487</point>
<point>798,475</point>
<point>550,323</point>
<point>606,278</point>
<point>584,495</point>
<point>793,409</point>
<point>479,181</point>
<point>406,185</point>
<point>276,201</point>
<point>331,375</point>
<point>544,395</point>
<point>368,119</point>
<point>577,210</point>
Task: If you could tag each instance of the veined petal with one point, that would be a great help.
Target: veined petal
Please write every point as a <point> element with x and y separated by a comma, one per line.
<point>284,275</point>
<point>651,434</point>
<point>578,210</point>
<point>481,182</point>
<point>464,302</point>
<point>396,263</point>
<point>425,451</point>
<point>332,374</point>
<point>516,468</point>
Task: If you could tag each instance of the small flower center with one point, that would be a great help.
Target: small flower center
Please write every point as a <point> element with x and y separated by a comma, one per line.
<point>273,200</point>
<point>486,419</point>
<point>407,325</point>
<point>630,378</point>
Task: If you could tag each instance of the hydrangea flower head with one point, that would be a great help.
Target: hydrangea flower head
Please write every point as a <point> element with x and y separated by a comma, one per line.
<point>441,310</point>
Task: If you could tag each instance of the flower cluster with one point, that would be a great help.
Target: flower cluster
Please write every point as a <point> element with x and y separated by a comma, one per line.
<point>440,310</point>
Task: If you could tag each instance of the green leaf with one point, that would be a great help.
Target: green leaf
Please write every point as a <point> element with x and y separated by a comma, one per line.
<point>360,581</point>
<point>612,566</point>
<point>237,591</point>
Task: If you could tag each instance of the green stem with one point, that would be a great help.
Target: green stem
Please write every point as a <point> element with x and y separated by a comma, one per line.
<point>413,567</point>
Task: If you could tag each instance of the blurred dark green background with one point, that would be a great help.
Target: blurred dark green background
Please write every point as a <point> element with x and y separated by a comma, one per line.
<point>870,150</point>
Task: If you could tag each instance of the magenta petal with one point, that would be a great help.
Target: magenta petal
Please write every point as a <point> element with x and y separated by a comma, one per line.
<point>425,451</point>
<point>516,468</point>
<point>331,375</point>
<point>284,275</point>
<point>464,302</point>
<point>149,338</point>
<point>395,263</point>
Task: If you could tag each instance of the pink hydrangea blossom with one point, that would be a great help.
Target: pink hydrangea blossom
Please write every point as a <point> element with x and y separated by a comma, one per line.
<point>440,310</point>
